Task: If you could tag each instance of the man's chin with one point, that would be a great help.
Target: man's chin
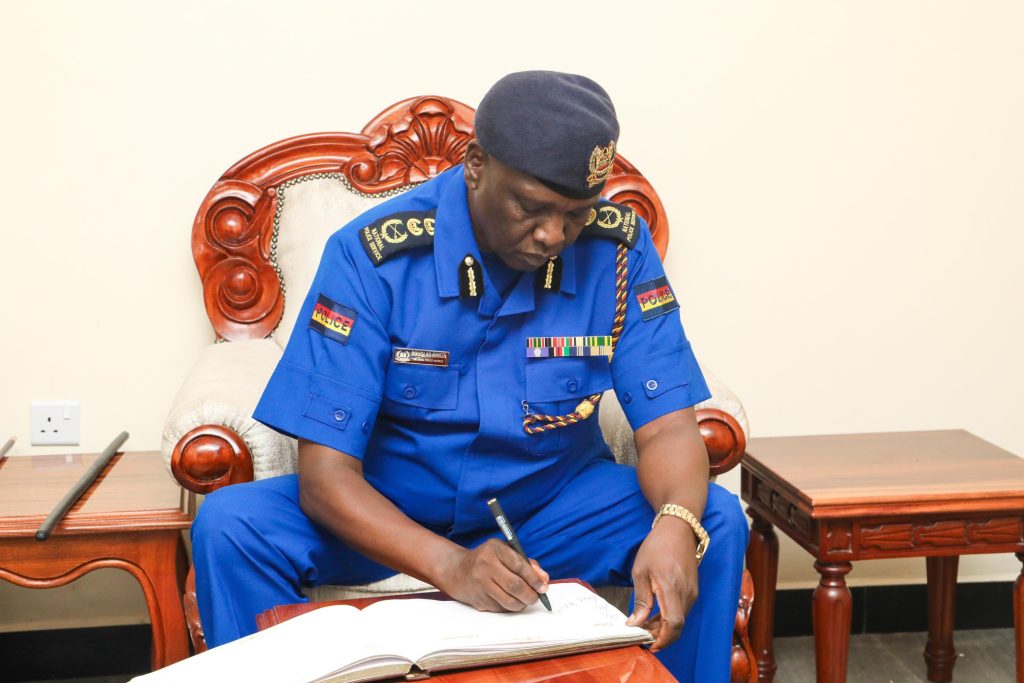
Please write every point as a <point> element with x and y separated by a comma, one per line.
<point>524,262</point>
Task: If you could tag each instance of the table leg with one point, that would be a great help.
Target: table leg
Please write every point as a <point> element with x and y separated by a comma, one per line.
<point>939,653</point>
<point>832,610</point>
<point>161,557</point>
<point>1018,620</point>
<point>763,563</point>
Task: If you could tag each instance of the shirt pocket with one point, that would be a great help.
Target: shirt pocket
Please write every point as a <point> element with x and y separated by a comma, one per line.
<point>420,390</point>
<point>555,386</point>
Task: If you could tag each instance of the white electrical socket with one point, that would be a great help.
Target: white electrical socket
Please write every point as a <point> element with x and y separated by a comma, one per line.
<point>55,423</point>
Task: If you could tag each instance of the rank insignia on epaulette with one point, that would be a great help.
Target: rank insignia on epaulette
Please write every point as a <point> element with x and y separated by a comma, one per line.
<point>332,320</point>
<point>655,297</point>
<point>568,347</point>
<point>617,221</point>
<point>397,232</point>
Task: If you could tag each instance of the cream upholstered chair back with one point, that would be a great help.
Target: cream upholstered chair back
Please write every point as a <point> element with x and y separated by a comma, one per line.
<point>309,210</point>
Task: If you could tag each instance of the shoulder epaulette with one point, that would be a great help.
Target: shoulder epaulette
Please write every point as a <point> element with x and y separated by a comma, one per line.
<point>616,221</point>
<point>397,232</point>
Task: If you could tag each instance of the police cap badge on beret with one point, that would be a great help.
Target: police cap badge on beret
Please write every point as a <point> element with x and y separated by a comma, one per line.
<point>560,128</point>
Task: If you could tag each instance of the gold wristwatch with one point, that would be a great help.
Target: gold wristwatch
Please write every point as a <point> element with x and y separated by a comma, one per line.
<point>673,510</point>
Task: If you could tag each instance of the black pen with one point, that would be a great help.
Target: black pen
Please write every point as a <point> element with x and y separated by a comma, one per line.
<point>513,540</point>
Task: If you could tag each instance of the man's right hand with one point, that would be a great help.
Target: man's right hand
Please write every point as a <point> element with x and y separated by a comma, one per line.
<point>493,578</point>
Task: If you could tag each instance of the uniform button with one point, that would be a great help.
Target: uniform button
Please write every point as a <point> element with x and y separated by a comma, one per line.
<point>572,384</point>
<point>627,397</point>
<point>339,416</point>
<point>410,391</point>
<point>652,384</point>
<point>366,426</point>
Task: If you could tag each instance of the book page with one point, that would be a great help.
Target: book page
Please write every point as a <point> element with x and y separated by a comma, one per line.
<point>299,650</point>
<point>420,628</point>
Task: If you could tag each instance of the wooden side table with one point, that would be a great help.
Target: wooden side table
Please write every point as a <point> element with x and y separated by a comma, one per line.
<point>843,498</point>
<point>131,519</point>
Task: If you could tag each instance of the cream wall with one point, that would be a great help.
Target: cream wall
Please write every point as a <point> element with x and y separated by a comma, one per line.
<point>843,181</point>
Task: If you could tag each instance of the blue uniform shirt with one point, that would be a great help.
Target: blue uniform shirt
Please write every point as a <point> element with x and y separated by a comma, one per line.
<point>441,436</point>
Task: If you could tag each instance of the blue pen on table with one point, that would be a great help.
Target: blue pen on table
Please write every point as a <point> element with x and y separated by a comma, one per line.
<point>510,536</point>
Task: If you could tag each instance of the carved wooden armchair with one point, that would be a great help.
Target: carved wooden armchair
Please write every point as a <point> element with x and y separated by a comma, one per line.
<point>257,240</point>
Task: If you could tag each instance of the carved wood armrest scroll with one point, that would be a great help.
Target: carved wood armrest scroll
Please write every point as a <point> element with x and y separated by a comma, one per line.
<point>723,437</point>
<point>191,604</point>
<point>743,670</point>
<point>209,457</point>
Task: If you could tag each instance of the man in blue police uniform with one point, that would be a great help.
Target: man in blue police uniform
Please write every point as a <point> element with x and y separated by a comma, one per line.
<point>453,348</point>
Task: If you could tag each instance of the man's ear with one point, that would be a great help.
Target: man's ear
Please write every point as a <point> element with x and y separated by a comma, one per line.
<point>474,162</point>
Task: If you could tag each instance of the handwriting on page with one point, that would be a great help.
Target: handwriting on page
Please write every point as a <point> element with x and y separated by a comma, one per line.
<point>590,607</point>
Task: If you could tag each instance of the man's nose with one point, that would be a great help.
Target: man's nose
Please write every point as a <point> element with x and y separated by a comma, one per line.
<point>551,233</point>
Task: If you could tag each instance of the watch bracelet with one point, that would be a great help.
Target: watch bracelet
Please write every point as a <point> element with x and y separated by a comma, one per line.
<point>679,512</point>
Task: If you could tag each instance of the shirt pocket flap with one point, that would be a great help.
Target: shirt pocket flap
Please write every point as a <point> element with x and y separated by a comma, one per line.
<point>423,386</point>
<point>556,379</point>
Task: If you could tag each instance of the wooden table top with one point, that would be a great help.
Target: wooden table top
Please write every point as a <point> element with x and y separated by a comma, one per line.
<point>911,471</point>
<point>134,492</point>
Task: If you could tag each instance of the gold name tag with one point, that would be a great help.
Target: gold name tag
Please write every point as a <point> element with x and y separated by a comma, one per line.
<point>420,357</point>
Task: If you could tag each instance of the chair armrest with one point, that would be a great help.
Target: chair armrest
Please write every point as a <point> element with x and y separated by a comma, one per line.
<point>724,426</point>
<point>724,439</point>
<point>210,438</point>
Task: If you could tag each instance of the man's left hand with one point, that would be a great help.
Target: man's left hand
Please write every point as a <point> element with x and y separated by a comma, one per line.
<point>665,569</point>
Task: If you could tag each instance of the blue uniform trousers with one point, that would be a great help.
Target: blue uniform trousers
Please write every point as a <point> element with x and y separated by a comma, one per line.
<point>253,548</point>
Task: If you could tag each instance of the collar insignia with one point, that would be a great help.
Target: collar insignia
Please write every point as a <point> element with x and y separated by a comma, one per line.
<point>471,278</point>
<point>549,276</point>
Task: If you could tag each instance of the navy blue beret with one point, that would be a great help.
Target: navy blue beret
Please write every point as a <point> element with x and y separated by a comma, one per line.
<point>560,128</point>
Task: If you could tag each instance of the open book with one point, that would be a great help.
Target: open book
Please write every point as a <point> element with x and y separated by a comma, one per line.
<point>412,637</point>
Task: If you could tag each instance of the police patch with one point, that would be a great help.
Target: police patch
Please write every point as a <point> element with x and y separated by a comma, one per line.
<point>332,320</point>
<point>397,232</point>
<point>655,297</point>
<point>617,221</point>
